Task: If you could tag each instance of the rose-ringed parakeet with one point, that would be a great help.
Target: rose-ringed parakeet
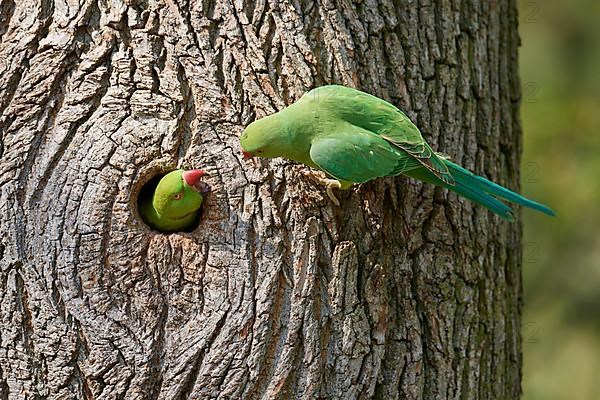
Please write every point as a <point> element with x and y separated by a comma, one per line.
<point>175,203</point>
<point>355,137</point>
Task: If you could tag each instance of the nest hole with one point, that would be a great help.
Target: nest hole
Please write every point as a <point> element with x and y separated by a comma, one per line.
<point>145,194</point>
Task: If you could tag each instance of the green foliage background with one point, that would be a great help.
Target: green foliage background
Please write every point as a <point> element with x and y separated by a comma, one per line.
<point>560,75</point>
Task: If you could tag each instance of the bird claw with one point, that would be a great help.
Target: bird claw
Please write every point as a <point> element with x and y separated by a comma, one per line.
<point>332,183</point>
<point>202,187</point>
<point>329,184</point>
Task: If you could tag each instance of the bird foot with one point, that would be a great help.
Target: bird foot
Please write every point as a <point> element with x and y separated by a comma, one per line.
<point>330,184</point>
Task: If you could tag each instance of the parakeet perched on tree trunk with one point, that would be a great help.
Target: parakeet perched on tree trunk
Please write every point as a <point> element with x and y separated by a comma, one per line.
<point>355,137</point>
<point>175,203</point>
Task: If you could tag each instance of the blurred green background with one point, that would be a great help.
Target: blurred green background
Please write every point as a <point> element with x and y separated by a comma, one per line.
<point>560,75</point>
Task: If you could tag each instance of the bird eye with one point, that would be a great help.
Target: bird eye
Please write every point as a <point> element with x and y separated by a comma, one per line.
<point>177,196</point>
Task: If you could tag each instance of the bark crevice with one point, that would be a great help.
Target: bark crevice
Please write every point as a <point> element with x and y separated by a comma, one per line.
<point>404,292</point>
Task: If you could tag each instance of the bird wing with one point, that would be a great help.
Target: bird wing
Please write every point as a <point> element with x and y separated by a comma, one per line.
<point>383,119</point>
<point>356,155</point>
<point>424,154</point>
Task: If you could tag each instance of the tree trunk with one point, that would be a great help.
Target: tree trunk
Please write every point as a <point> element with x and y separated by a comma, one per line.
<point>404,292</point>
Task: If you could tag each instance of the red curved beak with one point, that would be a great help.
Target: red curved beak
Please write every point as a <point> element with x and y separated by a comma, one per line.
<point>192,177</point>
<point>247,155</point>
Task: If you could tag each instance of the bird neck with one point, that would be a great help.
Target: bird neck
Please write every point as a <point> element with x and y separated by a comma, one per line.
<point>299,126</point>
<point>164,223</point>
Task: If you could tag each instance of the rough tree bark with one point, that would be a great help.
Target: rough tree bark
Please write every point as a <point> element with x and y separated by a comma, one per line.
<point>405,291</point>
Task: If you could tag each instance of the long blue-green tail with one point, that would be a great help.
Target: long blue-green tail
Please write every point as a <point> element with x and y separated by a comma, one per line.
<point>480,190</point>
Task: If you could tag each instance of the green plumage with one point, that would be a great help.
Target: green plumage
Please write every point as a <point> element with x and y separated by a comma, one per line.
<point>174,205</point>
<point>356,137</point>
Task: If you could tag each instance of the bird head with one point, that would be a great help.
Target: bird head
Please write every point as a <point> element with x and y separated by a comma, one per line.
<point>180,193</point>
<point>266,138</point>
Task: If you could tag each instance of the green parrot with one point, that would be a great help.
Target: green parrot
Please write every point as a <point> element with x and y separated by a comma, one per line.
<point>175,203</point>
<point>355,137</point>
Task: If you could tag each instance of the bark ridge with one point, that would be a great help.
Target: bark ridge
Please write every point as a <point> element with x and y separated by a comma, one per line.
<point>404,292</point>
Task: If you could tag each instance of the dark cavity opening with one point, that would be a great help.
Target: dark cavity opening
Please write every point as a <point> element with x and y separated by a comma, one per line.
<point>145,196</point>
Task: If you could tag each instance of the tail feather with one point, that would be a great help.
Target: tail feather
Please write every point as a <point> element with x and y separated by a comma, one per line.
<point>480,190</point>
<point>484,199</point>
<point>470,179</point>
